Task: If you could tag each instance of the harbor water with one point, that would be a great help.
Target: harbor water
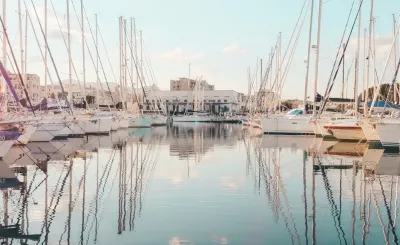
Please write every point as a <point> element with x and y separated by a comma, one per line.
<point>199,183</point>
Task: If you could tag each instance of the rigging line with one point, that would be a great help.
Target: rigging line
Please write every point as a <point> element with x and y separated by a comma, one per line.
<point>130,73</point>
<point>76,197</point>
<point>51,55</point>
<point>108,57</point>
<point>341,59</point>
<point>66,46</point>
<point>290,41</point>
<point>378,213</point>
<point>151,72</point>
<point>340,46</point>
<point>97,50</point>
<point>91,56</point>
<point>16,66</point>
<point>252,84</point>
<point>52,214</point>
<point>264,82</point>
<point>334,208</point>
<point>395,238</point>
<point>286,71</point>
<point>43,57</point>
<point>393,84</point>
<point>137,71</point>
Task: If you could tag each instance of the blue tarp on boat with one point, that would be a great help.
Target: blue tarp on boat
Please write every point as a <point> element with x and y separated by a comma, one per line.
<point>381,104</point>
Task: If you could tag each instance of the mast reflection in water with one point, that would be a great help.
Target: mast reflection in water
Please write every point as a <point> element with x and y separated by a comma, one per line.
<point>199,184</point>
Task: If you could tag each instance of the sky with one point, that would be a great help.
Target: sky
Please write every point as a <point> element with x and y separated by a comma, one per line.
<point>220,39</point>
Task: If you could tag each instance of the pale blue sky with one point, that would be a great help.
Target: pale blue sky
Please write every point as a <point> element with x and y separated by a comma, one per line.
<point>178,32</point>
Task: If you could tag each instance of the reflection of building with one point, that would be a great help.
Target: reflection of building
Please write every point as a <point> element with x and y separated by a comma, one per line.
<point>185,84</point>
<point>188,140</point>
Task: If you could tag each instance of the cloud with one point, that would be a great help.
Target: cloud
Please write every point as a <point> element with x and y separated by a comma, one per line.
<point>220,240</point>
<point>57,25</point>
<point>232,183</point>
<point>383,44</point>
<point>234,49</point>
<point>178,241</point>
<point>180,54</point>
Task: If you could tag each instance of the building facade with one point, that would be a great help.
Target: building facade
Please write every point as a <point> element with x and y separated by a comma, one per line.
<point>212,101</point>
<point>32,85</point>
<point>185,84</point>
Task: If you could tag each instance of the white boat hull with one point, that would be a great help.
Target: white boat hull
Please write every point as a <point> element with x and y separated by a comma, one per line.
<point>191,118</point>
<point>369,129</point>
<point>159,121</point>
<point>47,131</point>
<point>389,133</point>
<point>72,129</point>
<point>123,122</point>
<point>141,122</point>
<point>98,126</point>
<point>287,126</point>
<point>29,131</point>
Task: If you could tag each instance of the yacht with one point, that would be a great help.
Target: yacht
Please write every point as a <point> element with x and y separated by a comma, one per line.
<point>195,117</point>
<point>348,129</point>
<point>293,123</point>
<point>142,121</point>
<point>388,130</point>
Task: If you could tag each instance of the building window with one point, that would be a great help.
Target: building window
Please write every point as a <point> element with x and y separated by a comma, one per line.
<point>225,100</point>
<point>219,100</point>
<point>167,101</point>
<point>185,101</point>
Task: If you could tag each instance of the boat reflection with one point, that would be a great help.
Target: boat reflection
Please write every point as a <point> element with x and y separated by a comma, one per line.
<point>360,185</point>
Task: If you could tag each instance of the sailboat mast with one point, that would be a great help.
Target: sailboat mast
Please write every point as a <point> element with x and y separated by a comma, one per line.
<point>45,50</point>
<point>364,63</point>
<point>21,43</point>
<point>357,63</point>
<point>26,46</point>
<point>121,73</point>
<point>371,19</point>
<point>249,93</point>
<point>141,65</point>
<point>132,61</point>
<point>137,74</point>
<point>317,58</point>
<point>83,52</point>
<point>70,98</point>
<point>395,58</point>
<point>4,61</point>
<point>373,50</point>
<point>308,57</point>
<point>125,68</point>
<point>97,66</point>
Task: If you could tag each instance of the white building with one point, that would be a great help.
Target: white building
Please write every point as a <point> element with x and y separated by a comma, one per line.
<point>32,85</point>
<point>213,101</point>
<point>185,84</point>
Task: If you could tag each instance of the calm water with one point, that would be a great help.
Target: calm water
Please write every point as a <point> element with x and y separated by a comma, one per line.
<point>199,184</point>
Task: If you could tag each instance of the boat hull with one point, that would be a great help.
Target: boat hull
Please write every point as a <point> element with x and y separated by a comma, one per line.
<point>287,126</point>
<point>369,129</point>
<point>141,122</point>
<point>193,118</point>
<point>353,133</point>
<point>7,140</point>
<point>389,134</point>
<point>98,126</point>
<point>159,121</point>
<point>47,131</point>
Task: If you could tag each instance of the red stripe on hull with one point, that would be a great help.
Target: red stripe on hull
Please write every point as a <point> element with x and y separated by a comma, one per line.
<point>343,127</point>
